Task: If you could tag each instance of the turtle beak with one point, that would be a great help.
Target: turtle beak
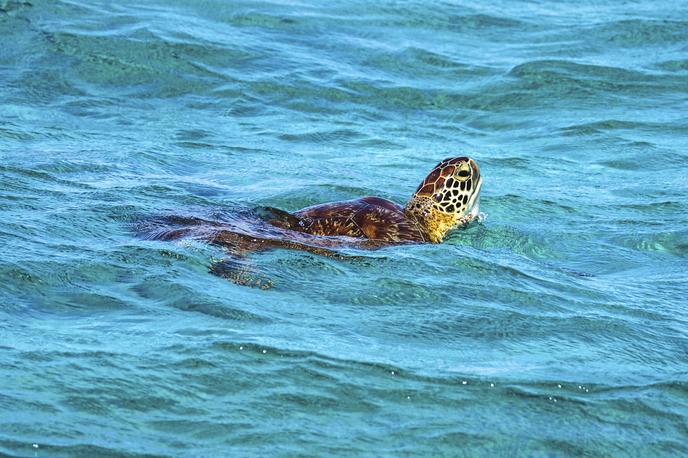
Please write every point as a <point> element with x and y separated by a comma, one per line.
<point>474,201</point>
<point>476,171</point>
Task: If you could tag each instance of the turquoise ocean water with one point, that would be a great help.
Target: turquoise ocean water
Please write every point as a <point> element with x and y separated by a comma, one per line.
<point>558,326</point>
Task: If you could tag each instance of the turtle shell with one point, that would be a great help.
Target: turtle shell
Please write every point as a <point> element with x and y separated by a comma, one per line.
<point>373,218</point>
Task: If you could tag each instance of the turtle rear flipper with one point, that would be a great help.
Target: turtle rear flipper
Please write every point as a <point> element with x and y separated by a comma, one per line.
<point>240,272</point>
<point>173,227</point>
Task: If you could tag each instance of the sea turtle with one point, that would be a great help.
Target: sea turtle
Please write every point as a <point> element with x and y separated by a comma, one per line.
<point>446,199</point>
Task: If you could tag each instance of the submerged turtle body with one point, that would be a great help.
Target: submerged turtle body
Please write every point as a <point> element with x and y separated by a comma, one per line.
<point>446,199</point>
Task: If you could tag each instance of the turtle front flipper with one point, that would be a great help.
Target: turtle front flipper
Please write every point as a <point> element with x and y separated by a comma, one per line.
<point>240,272</point>
<point>279,218</point>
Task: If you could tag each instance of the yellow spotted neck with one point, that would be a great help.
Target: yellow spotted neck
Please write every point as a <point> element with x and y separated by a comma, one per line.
<point>433,222</point>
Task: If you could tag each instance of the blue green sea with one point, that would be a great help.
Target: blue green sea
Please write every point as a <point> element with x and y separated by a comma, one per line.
<point>556,326</point>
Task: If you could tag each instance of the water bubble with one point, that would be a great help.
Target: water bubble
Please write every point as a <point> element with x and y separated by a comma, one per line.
<point>265,351</point>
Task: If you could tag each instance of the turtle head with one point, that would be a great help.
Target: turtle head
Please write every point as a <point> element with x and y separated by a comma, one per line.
<point>447,198</point>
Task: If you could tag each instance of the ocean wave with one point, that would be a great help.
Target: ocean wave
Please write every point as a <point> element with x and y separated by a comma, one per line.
<point>564,308</point>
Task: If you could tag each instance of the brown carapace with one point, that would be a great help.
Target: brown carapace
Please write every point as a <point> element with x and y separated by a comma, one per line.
<point>446,199</point>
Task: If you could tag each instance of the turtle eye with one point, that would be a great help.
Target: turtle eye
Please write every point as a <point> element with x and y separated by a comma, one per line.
<point>463,174</point>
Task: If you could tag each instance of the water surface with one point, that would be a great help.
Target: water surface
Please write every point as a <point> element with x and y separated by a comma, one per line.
<point>556,327</point>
